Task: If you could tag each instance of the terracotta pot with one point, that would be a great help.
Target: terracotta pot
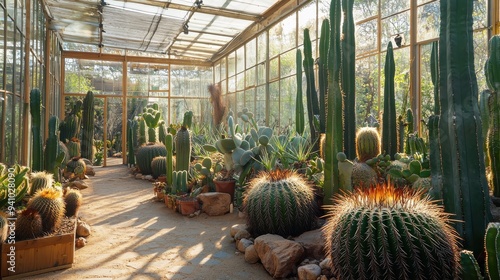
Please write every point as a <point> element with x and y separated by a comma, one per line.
<point>170,202</point>
<point>188,205</point>
<point>226,187</point>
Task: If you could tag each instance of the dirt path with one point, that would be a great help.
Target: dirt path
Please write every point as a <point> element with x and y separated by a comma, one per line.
<point>135,237</point>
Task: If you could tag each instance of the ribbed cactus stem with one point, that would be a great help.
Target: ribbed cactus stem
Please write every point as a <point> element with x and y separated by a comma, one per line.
<point>470,268</point>
<point>188,119</point>
<point>145,155</point>
<point>28,225</point>
<point>141,140</point>
<point>492,246</point>
<point>311,95</point>
<point>409,130</point>
<point>40,180</point>
<point>389,129</point>
<point>485,122</point>
<point>169,157</point>
<point>131,128</point>
<point>159,166</point>
<point>435,75</point>
<point>299,103</point>
<point>324,42</point>
<point>50,205</point>
<point>53,155</point>
<point>73,200</point>
<point>464,184</point>
<point>348,76</point>
<point>35,111</point>
<point>367,143</point>
<point>87,142</point>
<point>182,149</point>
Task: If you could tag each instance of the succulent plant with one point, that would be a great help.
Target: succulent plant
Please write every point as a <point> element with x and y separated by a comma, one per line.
<point>363,176</point>
<point>77,166</point>
<point>182,149</point>
<point>50,205</point>
<point>88,127</point>
<point>28,225</point>
<point>367,143</point>
<point>73,147</point>
<point>73,200</point>
<point>145,155</point>
<point>40,180</point>
<point>470,268</point>
<point>387,233</point>
<point>280,202</point>
<point>492,244</point>
<point>158,166</point>
<point>4,227</point>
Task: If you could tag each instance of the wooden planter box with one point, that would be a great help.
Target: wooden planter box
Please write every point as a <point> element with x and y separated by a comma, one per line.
<point>37,256</point>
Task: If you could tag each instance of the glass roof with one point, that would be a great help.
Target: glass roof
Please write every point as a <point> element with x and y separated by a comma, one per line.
<point>194,29</point>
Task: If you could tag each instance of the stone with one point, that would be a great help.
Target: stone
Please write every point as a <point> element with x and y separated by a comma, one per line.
<point>313,242</point>
<point>79,184</point>
<point>90,170</point>
<point>325,264</point>
<point>242,234</point>
<point>149,178</point>
<point>309,272</point>
<point>82,229</point>
<point>215,203</point>
<point>138,176</point>
<point>278,255</point>
<point>80,242</point>
<point>237,227</point>
<point>243,244</point>
<point>251,255</point>
<point>322,277</point>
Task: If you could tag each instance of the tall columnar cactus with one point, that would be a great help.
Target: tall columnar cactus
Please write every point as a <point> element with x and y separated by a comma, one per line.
<point>169,145</point>
<point>280,202</point>
<point>182,149</point>
<point>141,138</point>
<point>36,129</point>
<point>88,127</point>
<point>348,78</point>
<point>188,119</point>
<point>299,103</point>
<point>492,72</point>
<point>53,156</point>
<point>73,148</point>
<point>409,130</point>
<point>434,65</point>
<point>324,42</point>
<point>389,129</point>
<point>159,166</point>
<point>40,180</point>
<point>50,205</point>
<point>72,201</point>
<point>367,143</point>
<point>334,126</point>
<point>492,246</point>
<point>388,233</point>
<point>485,121</point>
<point>28,225</point>
<point>464,186</point>
<point>152,118</point>
<point>131,141</point>
<point>470,268</point>
<point>312,96</point>
<point>145,155</point>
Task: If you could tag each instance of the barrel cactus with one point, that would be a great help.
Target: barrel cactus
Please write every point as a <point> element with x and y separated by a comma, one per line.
<point>73,147</point>
<point>77,166</point>
<point>159,166</point>
<point>280,202</point>
<point>367,143</point>
<point>388,233</point>
<point>40,180</point>
<point>50,205</point>
<point>28,225</point>
<point>363,176</point>
<point>145,155</point>
<point>72,201</point>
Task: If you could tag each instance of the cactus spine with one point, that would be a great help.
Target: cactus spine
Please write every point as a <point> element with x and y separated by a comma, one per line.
<point>388,233</point>
<point>464,186</point>
<point>279,202</point>
<point>324,40</point>
<point>73,201</point>
<point>88,127</point>
<point>35,111</point>
<point>348,75</point>
<point>169,145</point>
<point>389,129</point>
<point>40,180</point>
<point>28,225</point>
<point>470,268</point>
<point>312,96</point>
<point>367,143</point>
<point>492,72</point>
<point>485,121</point>
<point>491,244</point>
<point>299,103</point>
<point>182,149</point>
<point>50,205</point>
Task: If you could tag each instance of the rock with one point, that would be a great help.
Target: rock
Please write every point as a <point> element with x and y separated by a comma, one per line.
<point>79,184</point>
<point>149,178</point>
<point>87,162</point>
<point>138,176</point>
<point>313,242</point>
<point>90,170</point>
<point>309,272</point>
<point>215,203</point>
<point>322,277</point>
<point>82,229</point>
<point>325,264</point>
<point>80,242</point>
<point>251,255</point>
<point>243,244</point>
<point>278,255</point>
<point>237,227</point>
<point>242,234</point>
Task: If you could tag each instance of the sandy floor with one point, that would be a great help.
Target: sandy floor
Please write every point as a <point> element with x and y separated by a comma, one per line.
<point>135,237</point>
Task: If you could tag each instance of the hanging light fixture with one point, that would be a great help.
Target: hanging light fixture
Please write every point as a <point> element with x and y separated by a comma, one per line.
<point>185,28</point>
<point>198,3</point>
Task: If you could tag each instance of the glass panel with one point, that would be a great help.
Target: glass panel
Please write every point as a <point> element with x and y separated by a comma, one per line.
<point>426,86</point>
<point>367,100</point>
<point>262,47</point>
<point>307,19</point>
<point>217,72</point>
<point>250,77</point>
<point>324,9</point>
<point>177,110</point>
<point>111,77</point>
<point>231,84</point>
<point>480,56</point>
<point>419,2</point>
<point>480,14</point>
<point>390,7</point>
<point>159,77</point>
<point>190,81</point>
<point>274,69</point>
<point>364,9</point>
<point>401,79</point>
<point>240,81</point>
<point>137,79</point>
<point>251,53</point>
<point>261,74</point>
<point>231,64</point>
<point>231,102</point>
<point>114,126</point>
<point>282,36</point>
<point>240,60</point>
<point>288,65</point>
<point>428,21</point>
<point>392,26</point>
<point>250,100</point>
<point>9,129</point>
<point>10,56</point>
<point>240,104</point>
<point>366,36</point>
<point>2,52</point>
<point>274,104</point>
<point>260,105</point>
<point>288,92</point>
<point>223,69</point>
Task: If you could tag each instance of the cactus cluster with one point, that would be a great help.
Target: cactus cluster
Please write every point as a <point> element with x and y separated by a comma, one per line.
<point>280,202</point>
<point>70,126</point>
<point>145,155</point>
<point>388,233</point>
<point>50,205</point>
<point>179,182</point>
<point>152,117</point>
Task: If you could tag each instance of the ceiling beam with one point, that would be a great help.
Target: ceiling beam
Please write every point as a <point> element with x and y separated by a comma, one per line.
<point>203,10</point>
<point>274,14</point>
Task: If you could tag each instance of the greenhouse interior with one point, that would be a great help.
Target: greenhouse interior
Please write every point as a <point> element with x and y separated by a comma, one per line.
<point>325,139</point>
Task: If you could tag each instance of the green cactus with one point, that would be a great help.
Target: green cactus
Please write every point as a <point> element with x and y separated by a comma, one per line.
<point>131,141</point>
<point>485,122</point>
<point>464,187</point>
<point>280,202</point>
<point>388,233</point>
<point>299,103</point>
<point>28,225</point>
<point>348,78</point>
<point>470,268</point>
<point>491,244</point>
<point>363,176</point>
<point>409,130</point>
<point>389,128</point>
<point>367,143</point>
<point>179,182</point>
<point>159,166</point>
<point>141,139</point>
<point>324,40</point>
<point>145,155</point>
<point>36,129</point>
<point>53,155</point>
<point>312,96</point>
<point>87,141</point>
<point>492,72</point>
<point>77,166</point>
<point>182,149</point>
<point>188,119</point>
<point>434,65</point>
<point>169,145</point>
<point>162,132</point>
<point>21,184</point>
<point>72,201</point>
<point>73,148</point>
<point>50,205</point>
<point>4,227</point>
<point>40,180</point>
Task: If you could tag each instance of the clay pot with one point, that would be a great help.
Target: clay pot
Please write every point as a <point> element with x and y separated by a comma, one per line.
<point>226,187</point>
<point>188,205</point>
